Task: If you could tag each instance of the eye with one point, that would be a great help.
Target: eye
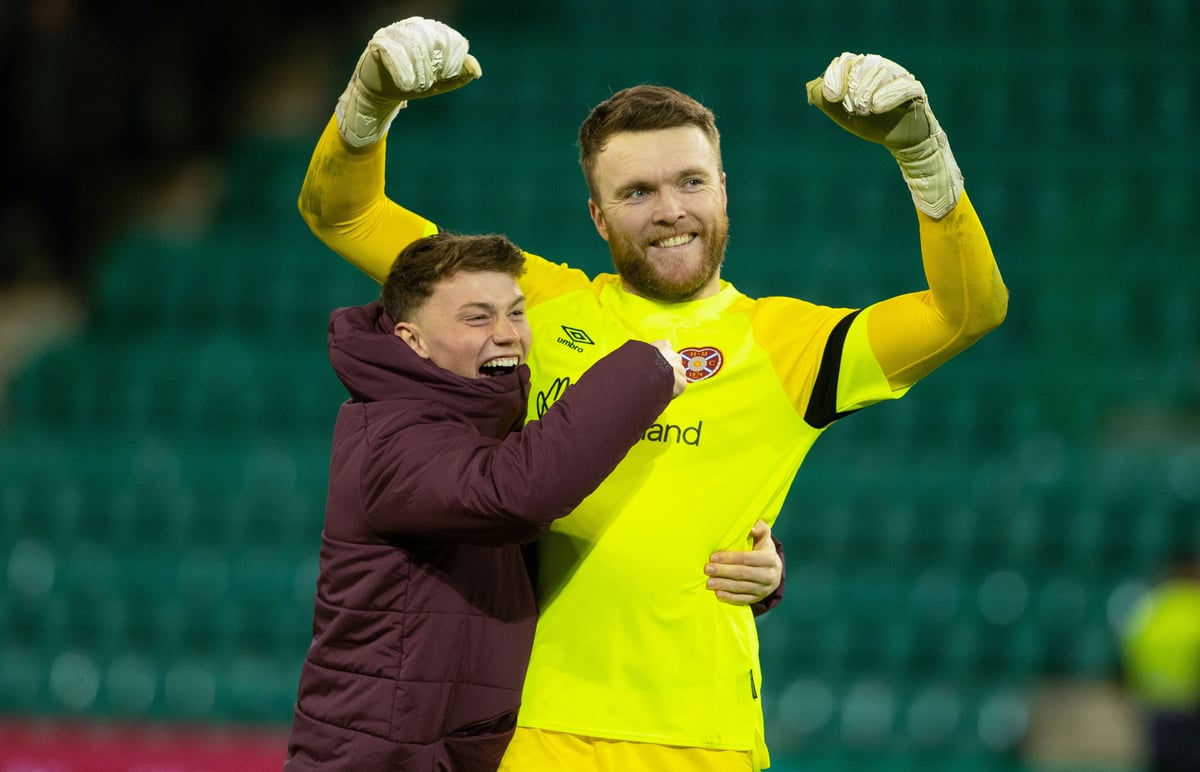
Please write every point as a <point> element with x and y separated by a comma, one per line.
<point>693,182</point>
<point>637,193</point>
<point>517,313</point>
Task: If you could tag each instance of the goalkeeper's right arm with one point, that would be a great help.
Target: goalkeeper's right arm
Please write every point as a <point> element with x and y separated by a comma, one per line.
<point>342,198</point>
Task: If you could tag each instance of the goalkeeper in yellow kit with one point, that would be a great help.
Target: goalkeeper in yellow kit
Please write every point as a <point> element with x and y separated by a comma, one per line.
<point>671,680</point>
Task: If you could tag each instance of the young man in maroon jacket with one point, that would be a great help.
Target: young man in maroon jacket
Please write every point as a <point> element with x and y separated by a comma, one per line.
<point>424,611</point>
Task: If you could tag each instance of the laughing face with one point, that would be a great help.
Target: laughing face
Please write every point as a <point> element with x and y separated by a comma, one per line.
<point>473,325</point>
<point>660,204</point>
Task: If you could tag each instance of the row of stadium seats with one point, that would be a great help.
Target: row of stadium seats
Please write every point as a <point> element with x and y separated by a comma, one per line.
<point>905,720</point>
<point>127,493</point>
<point>206,626</point>
<point>238,281</point>
<point>1078,21</point>
<point>812,710</point>
<point>245,687</point>
<point>181,386</point>
<point>844,613</point>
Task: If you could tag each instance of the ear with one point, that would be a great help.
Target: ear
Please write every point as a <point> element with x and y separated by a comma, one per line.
<point>598,219</point>
<point>411,334</point>
<point>724,193</point>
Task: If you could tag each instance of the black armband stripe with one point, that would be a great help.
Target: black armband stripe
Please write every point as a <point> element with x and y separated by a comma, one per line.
<point>822,403</point>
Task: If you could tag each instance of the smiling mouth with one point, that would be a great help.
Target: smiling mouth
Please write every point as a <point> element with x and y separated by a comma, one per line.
<point>499,366</point>
<point>677,240</point>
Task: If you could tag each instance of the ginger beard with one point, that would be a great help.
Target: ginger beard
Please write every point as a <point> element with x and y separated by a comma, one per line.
<point>669,279</point>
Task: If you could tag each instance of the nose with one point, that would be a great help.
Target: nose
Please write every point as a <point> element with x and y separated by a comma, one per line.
<point>669,207</point>
<point>505,331</point>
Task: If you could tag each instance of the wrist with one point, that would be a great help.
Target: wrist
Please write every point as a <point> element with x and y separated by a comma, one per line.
<point>364,116</point>
<point>932,174</point>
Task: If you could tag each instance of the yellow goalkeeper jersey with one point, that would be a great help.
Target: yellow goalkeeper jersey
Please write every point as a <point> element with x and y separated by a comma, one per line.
<point>630,644</point>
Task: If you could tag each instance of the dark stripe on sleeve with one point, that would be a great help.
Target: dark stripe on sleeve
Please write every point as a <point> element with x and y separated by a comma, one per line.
<point>822,404</point>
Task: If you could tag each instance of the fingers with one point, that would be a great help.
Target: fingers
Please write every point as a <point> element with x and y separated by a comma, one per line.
<point>744,577</point>
<point>676,362</point>
<point>865,84</point>
<point>733,559</point>
<point>471,68</point>
<point>751,588</point>
<point>815,89</point>
<point>735,598</point>
<point>762,554</point>
<point>760,534</point>
<point>469,72</point>
<point>836,77</point>
<point>425,57</point>
<point>750,567</point>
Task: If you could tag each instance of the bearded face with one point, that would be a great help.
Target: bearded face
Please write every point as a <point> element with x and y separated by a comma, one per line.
<point>659,201</point>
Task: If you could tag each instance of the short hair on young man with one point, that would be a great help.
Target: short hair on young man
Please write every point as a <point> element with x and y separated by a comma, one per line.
<point>424,263</point>
<point>640,108</point>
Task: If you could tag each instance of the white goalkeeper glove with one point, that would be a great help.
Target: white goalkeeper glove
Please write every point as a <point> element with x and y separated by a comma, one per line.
<point>880,101</point>
<point>412,58</point>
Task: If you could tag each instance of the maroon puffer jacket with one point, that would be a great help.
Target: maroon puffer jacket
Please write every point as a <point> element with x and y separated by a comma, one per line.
<point>424,611</point>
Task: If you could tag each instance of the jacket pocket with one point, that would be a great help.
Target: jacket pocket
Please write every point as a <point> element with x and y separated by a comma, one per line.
<point>481,745</point>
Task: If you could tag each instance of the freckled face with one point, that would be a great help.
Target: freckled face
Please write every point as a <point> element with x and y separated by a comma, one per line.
<point>660,204</point>
<point>473,325</point>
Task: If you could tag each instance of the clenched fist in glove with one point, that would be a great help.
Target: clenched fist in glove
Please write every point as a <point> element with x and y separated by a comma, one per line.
<point>409,59</point>
<point>880,101</point>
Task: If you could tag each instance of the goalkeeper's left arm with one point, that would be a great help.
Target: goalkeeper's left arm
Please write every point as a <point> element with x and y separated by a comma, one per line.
<point>910,335</point>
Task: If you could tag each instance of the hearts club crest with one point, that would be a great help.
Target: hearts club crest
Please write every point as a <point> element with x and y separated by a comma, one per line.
<point>701,363</point>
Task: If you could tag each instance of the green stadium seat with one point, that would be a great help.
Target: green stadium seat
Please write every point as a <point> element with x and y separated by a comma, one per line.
<point>190,688</point>
<point>868,715</point>
<point>257,689</point>
<point>138,279</point>
<point>1001,717</point>
<point>804,713</point>
<point>23,678</point>
<point>263,178</point>
<point>132,687</point>
<point>933,716</point>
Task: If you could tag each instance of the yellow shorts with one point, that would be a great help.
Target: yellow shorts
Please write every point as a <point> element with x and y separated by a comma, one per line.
<point>540,750</point>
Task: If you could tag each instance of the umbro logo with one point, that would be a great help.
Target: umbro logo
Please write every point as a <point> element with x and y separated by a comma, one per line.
<point>577,335</point>
<point>575,339</point>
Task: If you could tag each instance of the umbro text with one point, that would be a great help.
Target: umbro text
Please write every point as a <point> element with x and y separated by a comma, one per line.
<point>569,344</point>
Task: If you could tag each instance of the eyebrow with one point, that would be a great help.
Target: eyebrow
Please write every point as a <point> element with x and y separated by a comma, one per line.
<point>694,171</point>
<point>489,307</point>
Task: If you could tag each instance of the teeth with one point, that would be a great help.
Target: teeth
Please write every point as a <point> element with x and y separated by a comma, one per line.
<point>674,241</point>
<point>501,362</point>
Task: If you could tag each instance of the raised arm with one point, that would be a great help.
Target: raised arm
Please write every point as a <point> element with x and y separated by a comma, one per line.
<point>911,335</point>
<point>342,198</point>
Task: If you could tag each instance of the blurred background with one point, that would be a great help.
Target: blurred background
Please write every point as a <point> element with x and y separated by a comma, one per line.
<point>961,564</point>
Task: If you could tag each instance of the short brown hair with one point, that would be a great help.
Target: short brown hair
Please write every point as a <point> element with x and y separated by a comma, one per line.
<point>641,108</point>
<point>424,263</point>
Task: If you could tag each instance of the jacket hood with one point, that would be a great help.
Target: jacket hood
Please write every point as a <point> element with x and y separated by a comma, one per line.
<point>375,366</point>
